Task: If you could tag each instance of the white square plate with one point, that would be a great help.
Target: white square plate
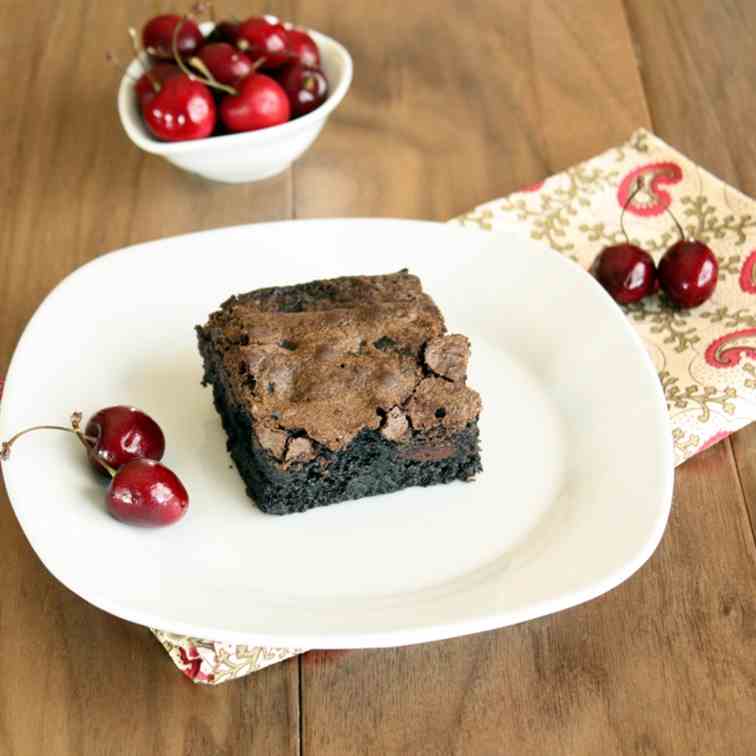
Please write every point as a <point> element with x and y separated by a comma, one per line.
<point>577,456</point>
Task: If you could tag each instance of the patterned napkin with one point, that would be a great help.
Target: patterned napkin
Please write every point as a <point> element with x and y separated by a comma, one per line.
<point>706,357</point>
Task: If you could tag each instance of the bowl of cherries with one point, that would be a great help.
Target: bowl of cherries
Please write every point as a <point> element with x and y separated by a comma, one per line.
<point>234,100</point>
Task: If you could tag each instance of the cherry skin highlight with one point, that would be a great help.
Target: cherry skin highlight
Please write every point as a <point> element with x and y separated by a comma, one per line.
<point>260,103</point>
<point>122,434</point>
<point>260,38</point>
<point>145,492</point>
<point>157,36</point>
<point>305,86</point>
<point>626,271</point>
<point>183,109</point>
<point>225,62</point>
<point>302,48</point>
<point>688,273</point>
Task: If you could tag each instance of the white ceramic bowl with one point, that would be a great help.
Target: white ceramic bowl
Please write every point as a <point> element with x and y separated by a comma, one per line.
<point>252,155</point>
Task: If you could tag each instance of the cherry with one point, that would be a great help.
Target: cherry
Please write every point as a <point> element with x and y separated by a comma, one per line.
<point>158,32</point>
<point>259,102</point>
<point>261,38</point>
<point>120,434</point>
<point>302,47</point>
<point>305,86</point>
<point>144,492</point>
<point>183,109</point>
<point>225,62</point>
<point>151,82</point>
<point>688,273</point>
<point>626,271</point>
<point>226,31</point>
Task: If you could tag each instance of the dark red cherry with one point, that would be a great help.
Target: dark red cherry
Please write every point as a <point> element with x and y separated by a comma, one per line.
<point>688,273</point>
<point>150,82</point>
<point>226,31</point>
<point>144,492</point>
<point>306,88</point>
<point>157,36</point>
<point>261,38</point>
<point>225,62</point>
<point>626,271</point>
<point>121,434</point>
<point>183,109</point>
<point>302,47</point>
<point>260,102</point>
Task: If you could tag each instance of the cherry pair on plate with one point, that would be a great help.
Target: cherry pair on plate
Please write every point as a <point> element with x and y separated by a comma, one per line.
<point>127,444</point>
<point>687,272</point>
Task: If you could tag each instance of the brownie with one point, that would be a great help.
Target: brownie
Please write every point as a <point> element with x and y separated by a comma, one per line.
<point>339,389</point>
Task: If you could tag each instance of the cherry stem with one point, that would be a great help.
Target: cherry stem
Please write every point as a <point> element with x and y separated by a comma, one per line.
<point>209,80</point>
<point>5,447</point>
<point>75,425</point>
<point>139,53</point>
<point>636,190</point>
<point>680,229</point>
<point>245,46</point>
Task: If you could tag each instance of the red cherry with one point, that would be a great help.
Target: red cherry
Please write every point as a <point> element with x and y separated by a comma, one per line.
<point>303,48</point>
<point>225,62</point>
<point>626,271</point>
<point>144,492</point>
<point>261,38</point>
<point>157,36</point>
<point>260,103</point>
<point>150,82</point>
<point>227,31</point>
<point>688,273</point>
<point>122,434</point>
<point>305,86</point>
<point>183,109</point>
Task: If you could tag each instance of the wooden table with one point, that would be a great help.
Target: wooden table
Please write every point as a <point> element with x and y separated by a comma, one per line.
<point>452,104</point>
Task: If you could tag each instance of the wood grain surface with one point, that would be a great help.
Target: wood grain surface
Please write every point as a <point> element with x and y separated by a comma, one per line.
<point>450,106</point>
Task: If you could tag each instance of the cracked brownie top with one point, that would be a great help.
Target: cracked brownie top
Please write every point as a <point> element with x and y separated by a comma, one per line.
<point>318,362</point>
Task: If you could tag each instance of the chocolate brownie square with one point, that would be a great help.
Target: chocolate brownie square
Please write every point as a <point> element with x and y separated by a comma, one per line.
<point>339,389</point>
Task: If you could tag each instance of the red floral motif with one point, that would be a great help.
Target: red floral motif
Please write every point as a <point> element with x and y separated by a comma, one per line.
<point>748,274</point>
<point>715,439</point>
<point>192,662</point>
<point>720,355</point>
<point>533,187</point>
<point>654,200</point>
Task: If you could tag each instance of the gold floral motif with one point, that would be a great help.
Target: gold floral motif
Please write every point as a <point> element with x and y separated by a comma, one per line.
<point>697,395</point>
<point>481,218</point>
<point>685,445</point>
<point>750,369</point>
<point>638,143</point>
<point>550,221</point>
<point>707,226</point>
<point>671,324</point>
<point>734,319</point>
